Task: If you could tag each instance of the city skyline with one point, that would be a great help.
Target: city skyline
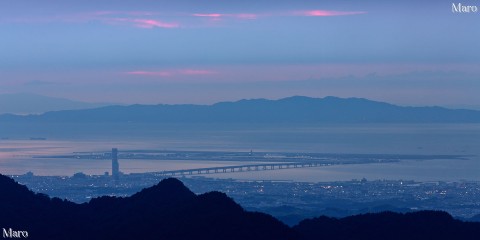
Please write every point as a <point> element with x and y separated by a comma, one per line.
<point>407,53</point>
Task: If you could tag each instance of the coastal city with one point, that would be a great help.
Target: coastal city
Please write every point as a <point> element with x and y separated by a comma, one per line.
<point>289,201</point>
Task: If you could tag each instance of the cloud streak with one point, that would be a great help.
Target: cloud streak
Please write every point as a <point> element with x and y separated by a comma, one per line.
<point>138,19</point>
<point>326,13</point>
<point>252,16</point>
<point>217,16</point>
<point>211,15</point>
<point>142,23</point>
<point>151,20</point>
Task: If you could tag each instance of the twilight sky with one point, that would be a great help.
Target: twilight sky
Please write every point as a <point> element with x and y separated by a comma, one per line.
<point>204,51</point>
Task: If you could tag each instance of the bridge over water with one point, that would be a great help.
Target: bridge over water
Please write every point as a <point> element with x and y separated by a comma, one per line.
<point>242,168</point>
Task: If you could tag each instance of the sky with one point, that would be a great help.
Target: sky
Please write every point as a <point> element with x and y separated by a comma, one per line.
<point>202,52</point>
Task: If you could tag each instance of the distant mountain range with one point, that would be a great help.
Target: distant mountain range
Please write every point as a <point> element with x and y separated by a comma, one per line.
<point>171,211</point>
<point>292,110</point>
<point>26,103</point>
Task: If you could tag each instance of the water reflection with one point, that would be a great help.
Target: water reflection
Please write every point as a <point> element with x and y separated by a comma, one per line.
<point>16,155</point>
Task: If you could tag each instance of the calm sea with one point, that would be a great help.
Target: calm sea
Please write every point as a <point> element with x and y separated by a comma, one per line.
<point>457,139</point>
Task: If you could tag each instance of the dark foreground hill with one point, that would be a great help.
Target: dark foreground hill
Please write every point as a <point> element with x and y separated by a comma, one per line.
<point>388,225</point>
<point>292,110</point>
<point>171,211</point>
<point>166,211</point>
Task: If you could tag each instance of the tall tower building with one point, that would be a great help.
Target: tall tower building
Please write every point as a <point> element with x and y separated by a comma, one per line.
<point>115,166</point>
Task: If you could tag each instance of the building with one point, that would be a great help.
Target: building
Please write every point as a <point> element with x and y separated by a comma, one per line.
<point>115,165</point>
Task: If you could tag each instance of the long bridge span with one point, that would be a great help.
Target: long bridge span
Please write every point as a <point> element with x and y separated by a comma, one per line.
<point>242,168</point>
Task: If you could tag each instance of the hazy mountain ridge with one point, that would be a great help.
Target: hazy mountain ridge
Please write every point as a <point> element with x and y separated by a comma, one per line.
<point>169,210</point>
<point>26,103</point>
<point>296,110</point>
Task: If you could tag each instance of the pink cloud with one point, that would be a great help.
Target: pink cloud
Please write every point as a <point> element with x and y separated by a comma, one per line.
<point>141,23</point>
<point>151,20</point>
<point>150,23</point>
<point>137,19</point>
<point>134,18</point>
<point>251,16</point>
<point>212,15</point>
<point>247,16</point>
<point>326,13</point>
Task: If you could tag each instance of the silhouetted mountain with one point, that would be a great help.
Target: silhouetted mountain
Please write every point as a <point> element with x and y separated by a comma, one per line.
<point>292,215</point>
<point>388,225</point>
<point>21,209</point>
<point>288,110</point>
<point>169,210</point>
<point>475,218</point>
<point>166,211</point>
<point>26,103</point>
